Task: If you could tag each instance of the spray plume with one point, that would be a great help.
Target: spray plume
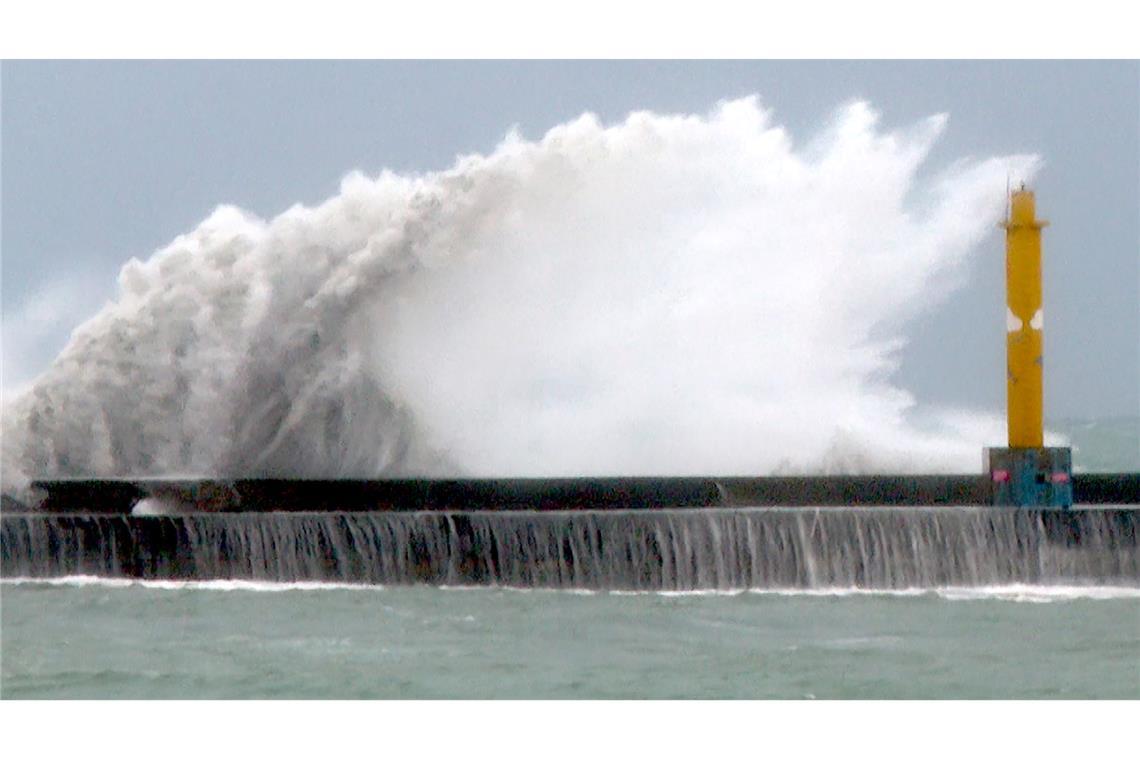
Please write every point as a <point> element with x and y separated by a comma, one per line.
<point>668,295</point>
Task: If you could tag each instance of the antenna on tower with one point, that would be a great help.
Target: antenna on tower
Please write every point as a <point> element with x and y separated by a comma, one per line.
<point>1008,208</point>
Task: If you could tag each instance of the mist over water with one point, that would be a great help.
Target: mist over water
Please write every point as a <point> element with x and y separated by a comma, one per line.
<point>667,295</point>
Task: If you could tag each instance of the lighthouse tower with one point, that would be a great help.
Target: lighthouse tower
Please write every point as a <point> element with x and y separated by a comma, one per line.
<point>1027,473</point>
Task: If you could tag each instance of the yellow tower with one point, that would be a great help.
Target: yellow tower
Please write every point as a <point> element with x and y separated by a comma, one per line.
<point>1026,474</point>
<point>1024,322</point>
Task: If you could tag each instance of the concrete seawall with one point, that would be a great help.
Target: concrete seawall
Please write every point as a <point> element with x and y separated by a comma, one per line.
<point>669,549</point>
<point>627,493</point>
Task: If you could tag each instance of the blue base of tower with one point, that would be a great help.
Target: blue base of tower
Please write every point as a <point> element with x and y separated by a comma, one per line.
<point>1038,477</point>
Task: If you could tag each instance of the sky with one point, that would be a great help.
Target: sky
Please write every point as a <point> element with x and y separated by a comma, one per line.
<point>104,161</point>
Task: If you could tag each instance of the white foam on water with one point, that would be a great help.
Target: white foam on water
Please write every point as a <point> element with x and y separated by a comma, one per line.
<point>671,294</point>
<point>1012,592</point>
<point>1030,593</point>
<point>1007,593</point>
<point>82,581</point>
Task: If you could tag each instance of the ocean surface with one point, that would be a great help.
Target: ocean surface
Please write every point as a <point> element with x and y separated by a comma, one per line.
<point>95,638</point>
<point>92,638</point>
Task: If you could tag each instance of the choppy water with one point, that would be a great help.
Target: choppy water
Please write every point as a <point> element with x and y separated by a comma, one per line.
<point>80,638</point>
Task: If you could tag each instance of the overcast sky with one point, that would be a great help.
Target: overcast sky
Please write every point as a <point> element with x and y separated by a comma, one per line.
<point>103,161</point>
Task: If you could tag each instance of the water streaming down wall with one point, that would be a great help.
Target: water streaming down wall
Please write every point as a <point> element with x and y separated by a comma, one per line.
<point>877,548</point>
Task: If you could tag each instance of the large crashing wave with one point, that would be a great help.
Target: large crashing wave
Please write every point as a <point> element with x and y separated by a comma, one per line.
<point>672,294</point>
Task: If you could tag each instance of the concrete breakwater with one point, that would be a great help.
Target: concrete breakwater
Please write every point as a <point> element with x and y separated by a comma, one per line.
<point>497,494</point>
<point>665,549</point>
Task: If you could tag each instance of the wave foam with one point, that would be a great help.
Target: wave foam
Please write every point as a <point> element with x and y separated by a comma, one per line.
<point>670,294</point>
<point>1006,593</point>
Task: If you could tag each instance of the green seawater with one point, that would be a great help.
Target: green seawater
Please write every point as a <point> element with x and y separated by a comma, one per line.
<point>88,639</point>
<point>1108,444</point>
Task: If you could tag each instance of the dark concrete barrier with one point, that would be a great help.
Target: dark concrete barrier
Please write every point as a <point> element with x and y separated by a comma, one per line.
<point>1107,488</point>
<point>477,494</point>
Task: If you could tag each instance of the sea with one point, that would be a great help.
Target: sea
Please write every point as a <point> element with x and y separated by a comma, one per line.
<point>86,638</point>
<point>943,632</point>
<point>562,305</point>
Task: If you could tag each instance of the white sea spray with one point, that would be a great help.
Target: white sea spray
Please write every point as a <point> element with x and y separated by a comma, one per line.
<point>670,294</point>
